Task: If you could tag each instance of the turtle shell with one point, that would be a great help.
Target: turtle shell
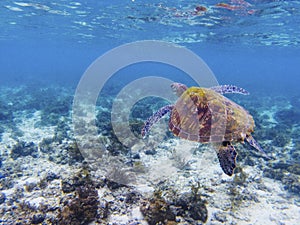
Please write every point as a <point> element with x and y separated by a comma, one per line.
<point>203,115</point>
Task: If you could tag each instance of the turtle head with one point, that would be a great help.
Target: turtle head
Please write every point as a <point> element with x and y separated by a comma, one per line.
<point>178,88</point>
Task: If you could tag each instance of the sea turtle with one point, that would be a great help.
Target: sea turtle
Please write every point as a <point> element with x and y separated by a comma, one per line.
<point>205,115</point>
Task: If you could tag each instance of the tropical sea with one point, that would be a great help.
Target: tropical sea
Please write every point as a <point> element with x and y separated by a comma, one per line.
<point>79,79</point>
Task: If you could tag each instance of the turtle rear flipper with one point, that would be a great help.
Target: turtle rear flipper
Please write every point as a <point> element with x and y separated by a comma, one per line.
<point>255,144</point>
<point>227,155</point>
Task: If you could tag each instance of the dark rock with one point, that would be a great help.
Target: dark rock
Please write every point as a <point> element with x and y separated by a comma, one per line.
<point>191,205</point>
<point>136,156</point>
<point>67,187</point>
<point>2,197</point>
<point>74,153</point>
<point>111,184</point>
<point>198,211</point>
<point>132,197</point>
<point>135,126</point>
<point>37,218</point>
<point>51,176</point>
<point>290,166</point>
<point>145,107</point>
<point>150,152</point>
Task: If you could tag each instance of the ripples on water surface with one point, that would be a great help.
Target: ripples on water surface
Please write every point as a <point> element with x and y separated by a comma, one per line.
<point>253,23</point>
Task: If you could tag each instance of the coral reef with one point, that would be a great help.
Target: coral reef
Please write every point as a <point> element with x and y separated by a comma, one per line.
<point>1,131</point>
<point>82,209</point>
<point>138,114</point>
<point>118,177</point>
<point>21,149</point>
<point>70,153</point>
<point>80,179</point>
<point>45,145</point>
<point>45,180</point>
<point>55,109</point>
<point>103,123</point>
<point>6,114</point>
<point>238,191</point>
<point>288,116</point>
<point>135,126</point>
<point>74,154</point>
<point>157,211</point>
<point>192,205</point>
<point>295,101</point>
<point>165,205</point>
<point>61,131</point>
<point>146,107</point>
<point>287,173</point>
<point>280,134</point>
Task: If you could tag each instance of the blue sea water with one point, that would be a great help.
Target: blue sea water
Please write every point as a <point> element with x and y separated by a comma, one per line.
<point>59,40</point>
<point>253,44</point>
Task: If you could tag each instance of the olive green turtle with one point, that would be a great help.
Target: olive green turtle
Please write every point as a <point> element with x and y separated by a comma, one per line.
<point>204,115</point>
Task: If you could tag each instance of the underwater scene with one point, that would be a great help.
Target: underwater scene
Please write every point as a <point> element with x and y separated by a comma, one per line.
<point>157,112</point>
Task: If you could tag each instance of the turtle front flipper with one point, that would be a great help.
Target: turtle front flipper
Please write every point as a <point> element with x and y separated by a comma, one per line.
<point>155,118</point>
<point>227,155</point>
<point>229,89</point>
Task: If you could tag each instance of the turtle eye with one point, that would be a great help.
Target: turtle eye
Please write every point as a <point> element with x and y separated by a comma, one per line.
<point>225,143</point>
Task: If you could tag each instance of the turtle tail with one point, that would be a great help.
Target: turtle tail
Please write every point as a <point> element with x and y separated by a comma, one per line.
<point>155,118</point>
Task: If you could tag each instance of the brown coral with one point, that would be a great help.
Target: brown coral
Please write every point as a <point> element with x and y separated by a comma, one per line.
<point>82,209</point>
